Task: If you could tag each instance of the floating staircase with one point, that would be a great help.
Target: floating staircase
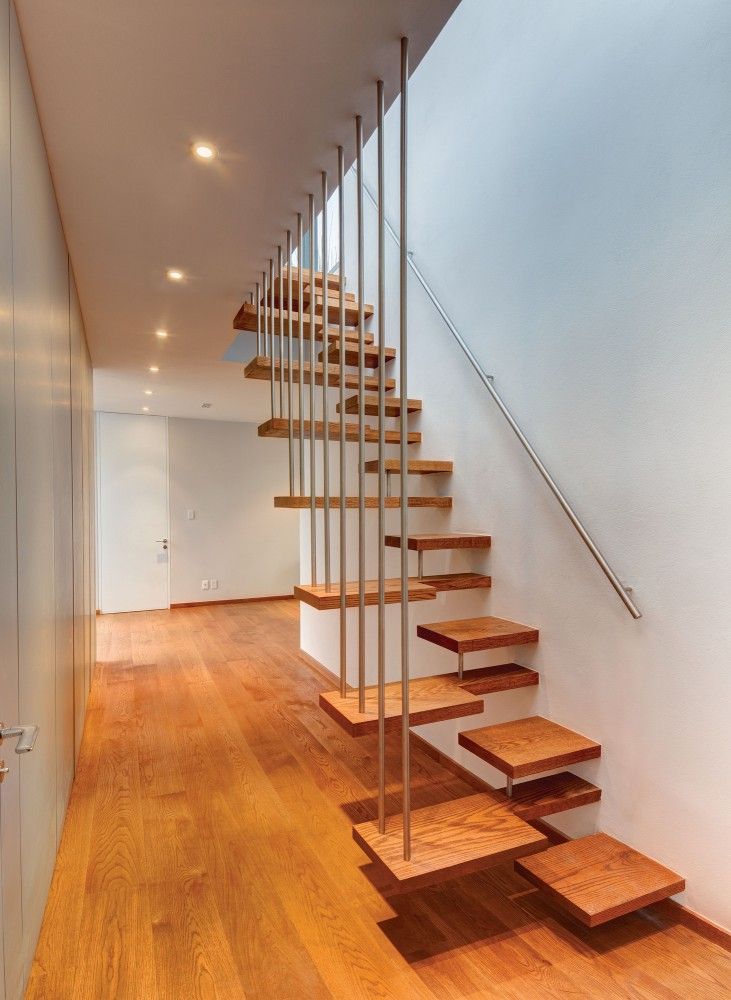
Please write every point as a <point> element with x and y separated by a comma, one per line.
<point>595,878</point>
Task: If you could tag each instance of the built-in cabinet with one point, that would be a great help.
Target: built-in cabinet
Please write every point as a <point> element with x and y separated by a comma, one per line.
<point>47,604</point>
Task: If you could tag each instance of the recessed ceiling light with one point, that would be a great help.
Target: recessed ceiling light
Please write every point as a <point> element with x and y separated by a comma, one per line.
<point>204,150</point>
<point>148,392</point>
<point>154,369</point>
<point>161,334</point>
<point>174,274</point>
<point>145,409</point>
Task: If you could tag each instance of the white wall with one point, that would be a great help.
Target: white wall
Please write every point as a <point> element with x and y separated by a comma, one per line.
<point>228,476</point>
<point>570,182</point>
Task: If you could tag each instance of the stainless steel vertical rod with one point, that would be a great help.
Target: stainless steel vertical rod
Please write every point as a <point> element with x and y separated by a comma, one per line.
<point>313,457</point>
<point>281,331</point>
<point>265,310</point>
<point>404,454</point>
<point>290,415</point>
<point>361,420</point>
<point>343,485</point>
<point>300,356</point>
<point>258,320</point>
<point>271,330</point>
<point>325,390</point>
<point>381,471</point>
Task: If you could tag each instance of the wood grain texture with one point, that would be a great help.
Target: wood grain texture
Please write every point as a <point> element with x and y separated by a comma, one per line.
<point>327,599</point>
<point>528,746</point>
<point>449,839</point>
<point>278,427</point>
<point>467,635</point>
<point>370,401</point>
<point>245,321</point>
<point>415,467</point>
<point>371,354</point>
<point>431,699</point>
<point>216,711</point>
<point>598,878</point>
<point>458,581</point>
<point>302,503</point>
<point>437,541</point>
<point>261,368</point>
<point>553,794</point>
<point>501,677</point>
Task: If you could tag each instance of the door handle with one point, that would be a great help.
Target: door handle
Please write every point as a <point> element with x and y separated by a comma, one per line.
<point>27,736</point>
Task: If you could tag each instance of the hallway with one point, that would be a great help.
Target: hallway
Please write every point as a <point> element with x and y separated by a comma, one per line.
<point>210,829</point>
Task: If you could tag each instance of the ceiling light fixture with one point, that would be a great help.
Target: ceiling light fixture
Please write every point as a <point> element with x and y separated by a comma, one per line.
<point>154,369</point>
<point>174,274</point>
<point>145,409</point>
<point>161,334</point>
<point>148,392</point>
<point>204,150</point>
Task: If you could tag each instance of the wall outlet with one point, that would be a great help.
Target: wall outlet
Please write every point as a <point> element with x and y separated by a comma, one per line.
<point>204,584</point>
<point>214,584</point>
<point>190,514</point>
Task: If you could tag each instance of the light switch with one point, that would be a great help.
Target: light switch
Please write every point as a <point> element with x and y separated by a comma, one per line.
<point>190,514</point>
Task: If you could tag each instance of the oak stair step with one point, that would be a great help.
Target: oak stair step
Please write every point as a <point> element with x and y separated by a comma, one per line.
<point>260,368</point>
<point>457,581</point>
<point>501,677</point>
<point>327,599</point>
<point>552,794</point>
<point>528,746</point>
<point>431,699</point>
<point>278,427</point>
<point>441,541</point>
<point>393,405</point>
<point>246,319</point>
<point>468,635</point>
<point>303,503</point>
<point>371,356</point>
<point>415,467</point>
<point>449,839</point>
<point>598,878</point>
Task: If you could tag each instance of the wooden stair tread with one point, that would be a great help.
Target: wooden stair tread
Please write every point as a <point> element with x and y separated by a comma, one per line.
<point>501,677</point>
<point>528,746</point>
<point>457,581</point>
<point>245,320</point>
<point>431,699</point>
<point>260,368</point>
<point>325,599</point>
<point>552,794</point>
<point>441,541</point>
<point>598,878</point>
<point>371,355</point>
<point>416,467</point>
<point>470,634</point>
<point>278,427</point>
<point>449,839</point>
<point>303,503</point>
<point>370,402</point>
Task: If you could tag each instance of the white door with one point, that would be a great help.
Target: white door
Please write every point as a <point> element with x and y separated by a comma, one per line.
<point>132,483</point>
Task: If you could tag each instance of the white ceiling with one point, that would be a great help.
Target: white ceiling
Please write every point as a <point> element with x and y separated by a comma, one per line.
<point>123,89</point>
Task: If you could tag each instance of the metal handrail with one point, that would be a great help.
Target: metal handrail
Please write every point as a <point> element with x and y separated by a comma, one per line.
<point>622,591</point>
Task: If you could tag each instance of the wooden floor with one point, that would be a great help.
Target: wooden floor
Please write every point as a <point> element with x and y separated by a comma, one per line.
<point>208,851</point>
